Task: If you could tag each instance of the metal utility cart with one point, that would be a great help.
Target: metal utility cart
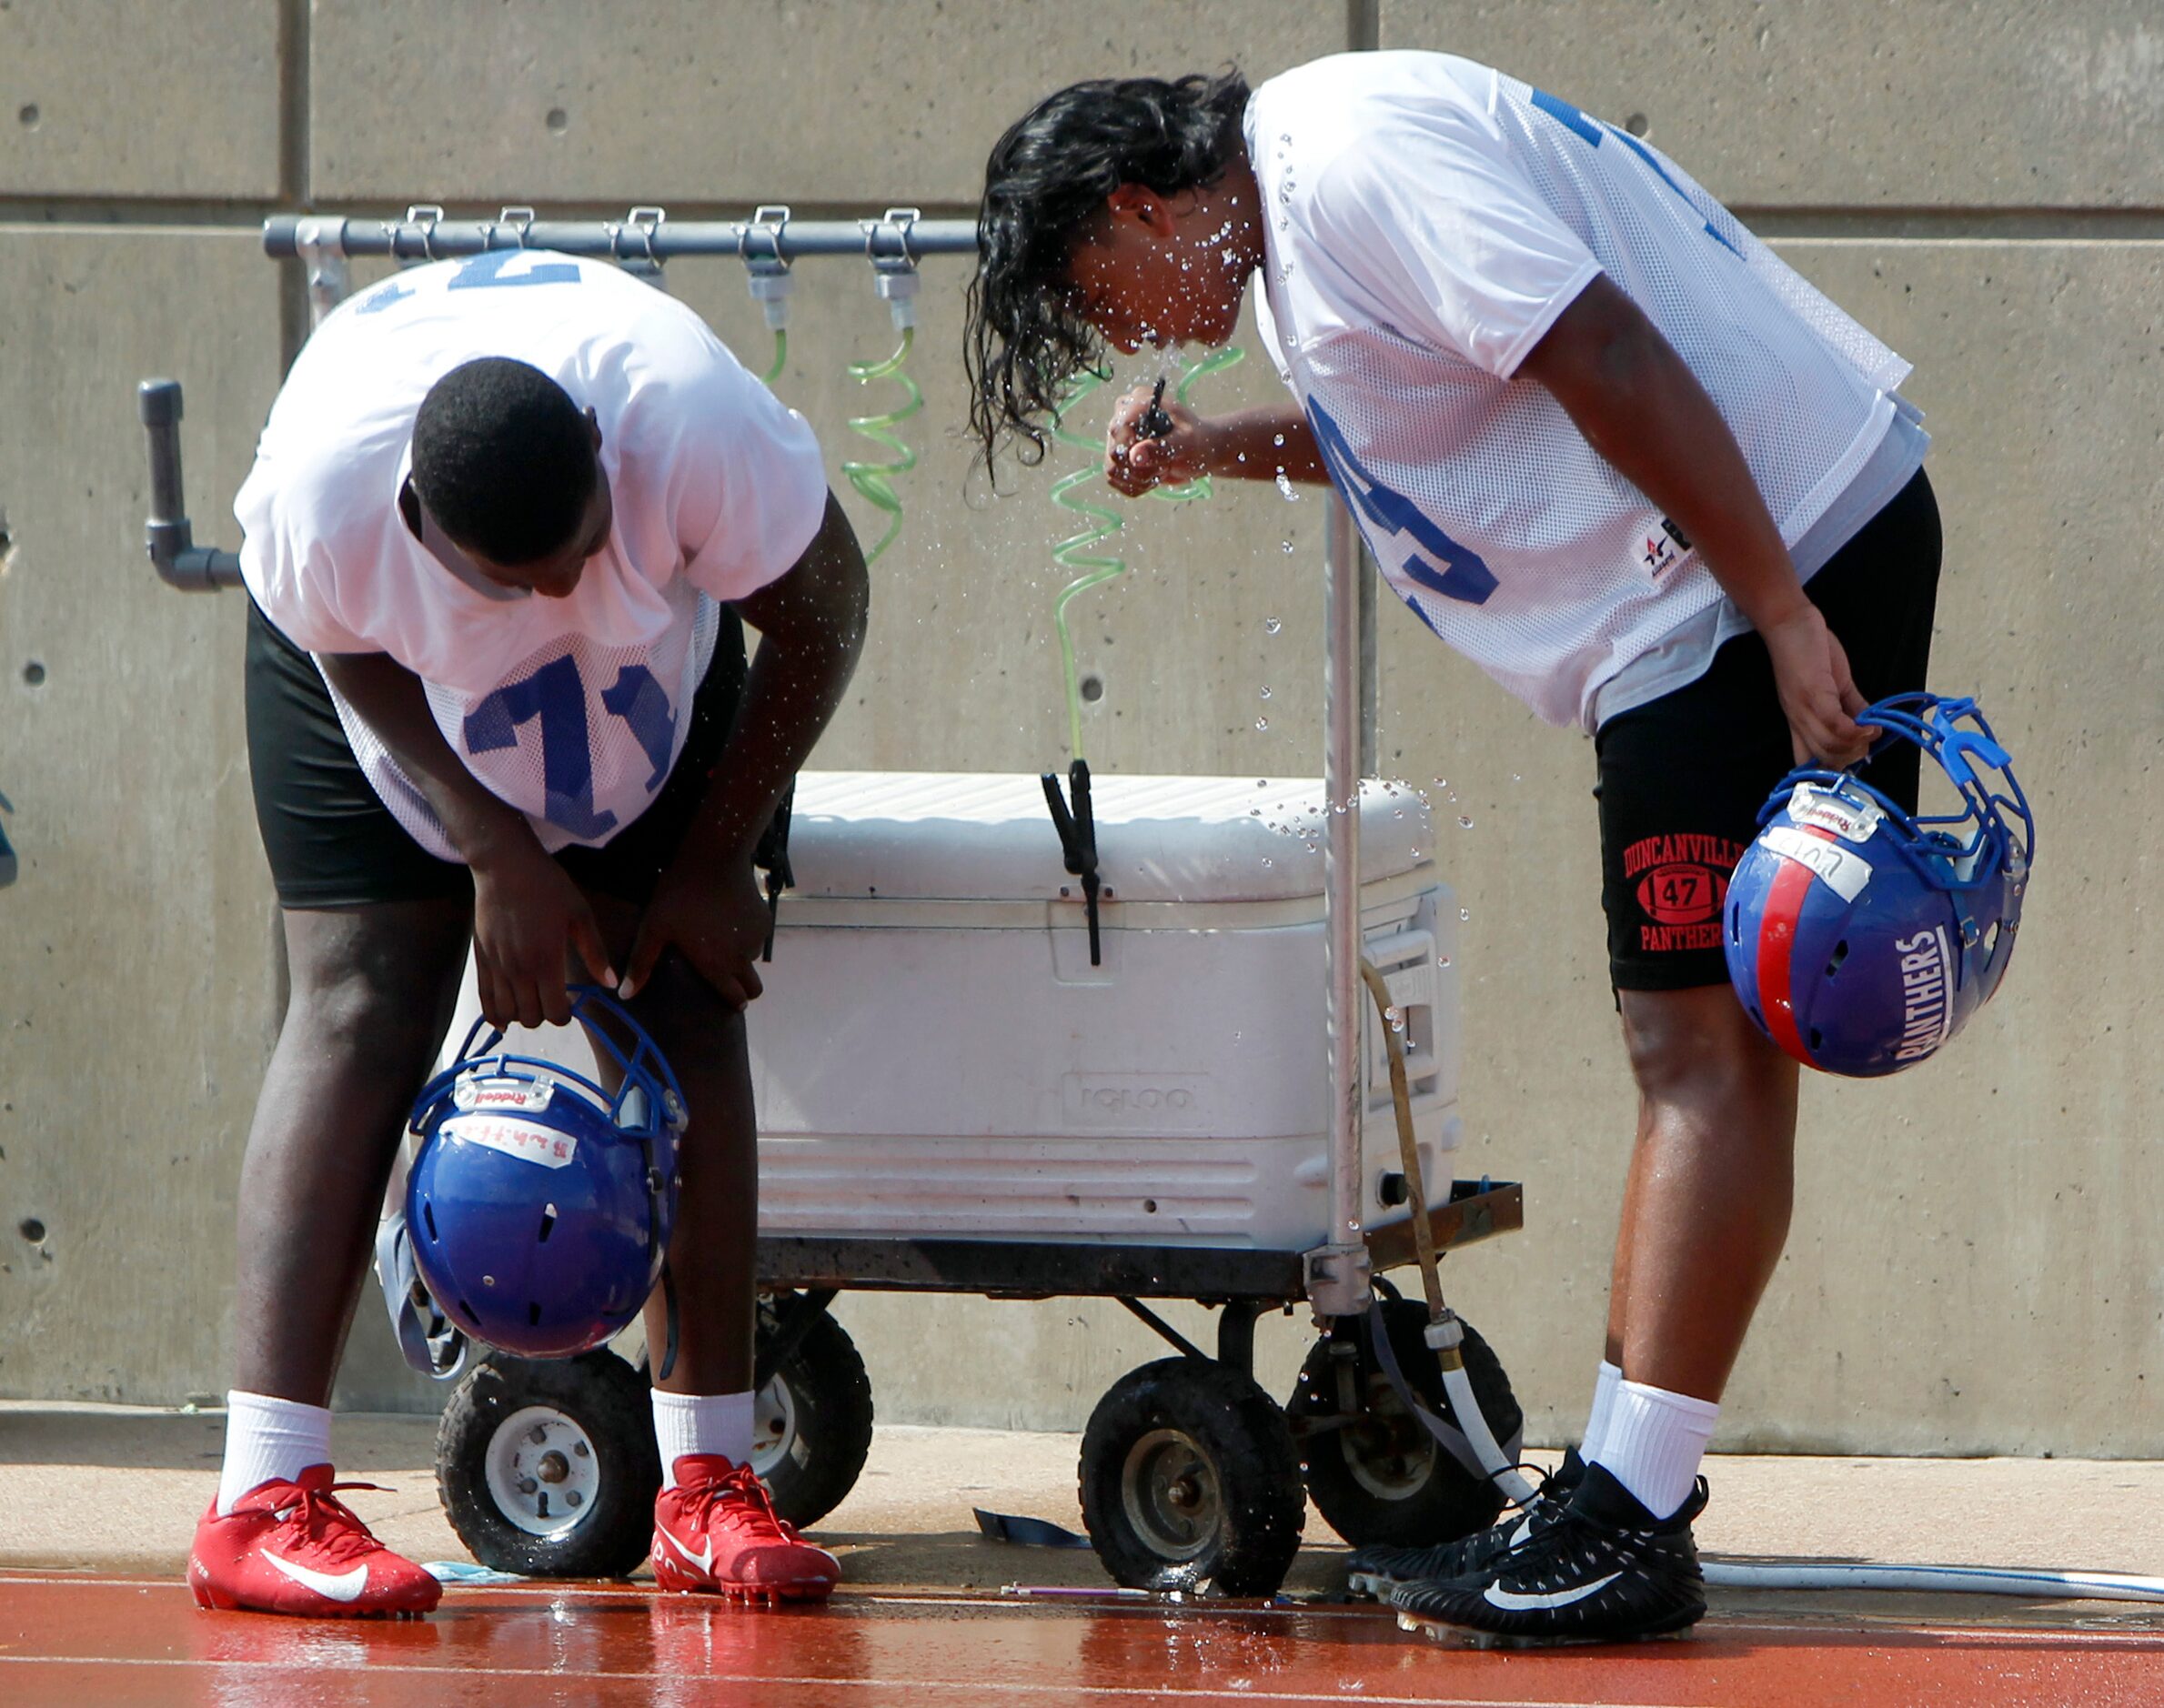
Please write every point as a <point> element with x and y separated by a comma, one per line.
<point>1058,999</point>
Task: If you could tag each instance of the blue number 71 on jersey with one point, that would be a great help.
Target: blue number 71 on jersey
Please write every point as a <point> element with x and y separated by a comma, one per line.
<point>1461,575</point>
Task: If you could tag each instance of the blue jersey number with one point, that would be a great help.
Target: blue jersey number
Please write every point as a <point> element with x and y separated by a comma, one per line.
<point>487,270</point>
<point>1591,131</point>
<point>556,695</point>
<point>1461,576</point>
<point>482,272</point>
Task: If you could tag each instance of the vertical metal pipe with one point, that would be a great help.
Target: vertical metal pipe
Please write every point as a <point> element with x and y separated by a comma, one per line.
<point>1341,889</point>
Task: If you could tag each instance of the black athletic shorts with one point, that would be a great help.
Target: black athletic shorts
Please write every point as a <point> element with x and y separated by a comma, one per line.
<point>333,843</point>
<point>1682,777</point>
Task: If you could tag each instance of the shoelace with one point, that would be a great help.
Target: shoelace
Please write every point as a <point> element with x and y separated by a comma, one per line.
<point>332,1528</point>
<point>739,1499</point>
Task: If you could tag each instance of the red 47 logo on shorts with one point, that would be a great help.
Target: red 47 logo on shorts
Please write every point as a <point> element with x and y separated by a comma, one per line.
<point>1682,883</point>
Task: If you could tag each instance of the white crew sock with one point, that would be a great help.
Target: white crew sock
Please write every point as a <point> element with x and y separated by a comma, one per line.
<point>268,1438</point>
<point>701,1423</point>
<point>1654,1442</point>
<point>1604,1383</point>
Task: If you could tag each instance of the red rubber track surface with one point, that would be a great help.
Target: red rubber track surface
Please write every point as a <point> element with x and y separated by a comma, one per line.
<point>82,1641</point>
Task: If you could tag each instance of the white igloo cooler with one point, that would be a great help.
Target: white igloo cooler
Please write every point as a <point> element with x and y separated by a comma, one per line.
<point>936,1057</point>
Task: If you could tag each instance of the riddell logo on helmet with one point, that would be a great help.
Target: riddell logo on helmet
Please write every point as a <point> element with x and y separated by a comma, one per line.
<point>1927,999</point>
<point>526,1094</point>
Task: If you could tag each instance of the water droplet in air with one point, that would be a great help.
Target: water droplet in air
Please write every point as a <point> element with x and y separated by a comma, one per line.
<point>1271,624</point>
<point>1515,778</point>
<point>1265,693</point>
<point>1464,913</point>
<point>1284,487</point>
<point>1255,812</point>
<point>1267,862</point>
<point>1279,440</point>
<point>1442,960</point>
<point>1288,548</point>
<point>1262,782</point>
<point>1262,723</point>
<point>1464,823</point>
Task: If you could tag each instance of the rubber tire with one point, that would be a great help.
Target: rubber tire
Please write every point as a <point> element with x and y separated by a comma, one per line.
<point>1239,1431</point>
<point>1451,1502</point>
<point>607,1399</point>
<point>832,1398</point>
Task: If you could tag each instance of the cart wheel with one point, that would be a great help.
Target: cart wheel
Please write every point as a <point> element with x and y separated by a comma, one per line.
<point>548,1469</point>
<point>1189,1480</point>
<point>812,1426</point>
<point>1382,1477</point>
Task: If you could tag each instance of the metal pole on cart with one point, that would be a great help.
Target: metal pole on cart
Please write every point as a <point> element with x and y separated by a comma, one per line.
<point>1338,1272</point>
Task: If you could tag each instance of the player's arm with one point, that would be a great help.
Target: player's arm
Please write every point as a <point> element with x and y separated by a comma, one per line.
<point>1247,445</point>
<point>526,909</point>
<point>1643,410</point>
<point>812,628</point>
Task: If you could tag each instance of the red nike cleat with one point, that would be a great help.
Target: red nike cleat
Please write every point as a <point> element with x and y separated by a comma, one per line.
<point>294,1548</point>
<point>718,1530</point>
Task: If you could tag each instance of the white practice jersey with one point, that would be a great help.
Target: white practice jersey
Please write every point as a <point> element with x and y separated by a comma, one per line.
<point>1427,220</point>
<point>572,710</point>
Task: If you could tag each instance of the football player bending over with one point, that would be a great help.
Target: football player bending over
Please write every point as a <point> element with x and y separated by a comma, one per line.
<point>499,532</point>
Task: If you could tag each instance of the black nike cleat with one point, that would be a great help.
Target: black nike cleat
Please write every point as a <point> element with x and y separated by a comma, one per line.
<point>1379,1568</point>
<point>1606,1570</point>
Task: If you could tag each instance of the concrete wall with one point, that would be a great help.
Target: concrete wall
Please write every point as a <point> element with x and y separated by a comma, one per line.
<point>1973,1265</point>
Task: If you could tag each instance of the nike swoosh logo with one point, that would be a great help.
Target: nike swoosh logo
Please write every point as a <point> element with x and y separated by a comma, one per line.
<point>1511,1601</point>
<point>1521,1534</point>
<point>704,1560</point>
<point>345,1587</point>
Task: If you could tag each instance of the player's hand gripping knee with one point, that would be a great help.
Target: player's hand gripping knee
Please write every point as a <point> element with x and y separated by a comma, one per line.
<point>1810,669</point>
<point>529,922</point>
<point>712,913</point>
<point>1136,460</point>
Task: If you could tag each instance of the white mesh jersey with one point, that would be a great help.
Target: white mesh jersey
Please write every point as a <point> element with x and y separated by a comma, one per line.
<point>572,710</point>
<point>1427,219</point>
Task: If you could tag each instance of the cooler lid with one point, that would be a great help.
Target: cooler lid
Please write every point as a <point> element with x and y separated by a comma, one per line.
<point>949,836</point>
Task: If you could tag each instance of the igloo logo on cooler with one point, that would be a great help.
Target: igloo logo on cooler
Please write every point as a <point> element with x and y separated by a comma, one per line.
<point>528,1140</point>
<point>1134,1099</point>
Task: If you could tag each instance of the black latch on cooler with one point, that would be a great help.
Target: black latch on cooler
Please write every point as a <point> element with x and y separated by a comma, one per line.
<point>1078,837</point>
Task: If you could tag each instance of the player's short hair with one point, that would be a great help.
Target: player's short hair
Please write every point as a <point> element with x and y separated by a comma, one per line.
<point>504,459</point>
<point>1045,179</point>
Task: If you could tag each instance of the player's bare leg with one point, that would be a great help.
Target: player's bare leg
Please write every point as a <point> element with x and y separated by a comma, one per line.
<point>373,990</point>
<point>715,1528</point>
<point>1707,1207</point>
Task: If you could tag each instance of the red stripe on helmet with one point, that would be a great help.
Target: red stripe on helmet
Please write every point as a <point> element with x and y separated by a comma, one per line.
<point>1776,943</point>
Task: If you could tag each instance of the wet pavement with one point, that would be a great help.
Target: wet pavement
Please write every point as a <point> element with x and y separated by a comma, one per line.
<point>80,1642</point>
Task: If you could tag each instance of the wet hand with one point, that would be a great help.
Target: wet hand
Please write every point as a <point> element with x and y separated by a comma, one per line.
<point>1136,461</point>
<point>1818,696</point>
<point>711,912</point>
<point>529,921</point>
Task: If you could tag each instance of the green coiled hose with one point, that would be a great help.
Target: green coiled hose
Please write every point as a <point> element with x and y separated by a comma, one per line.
<point>1074,552</point>
<point>875,481</point>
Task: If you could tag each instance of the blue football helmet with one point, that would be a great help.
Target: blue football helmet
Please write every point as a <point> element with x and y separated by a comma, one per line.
<point>1861,938</point>
<point>539,1210</point>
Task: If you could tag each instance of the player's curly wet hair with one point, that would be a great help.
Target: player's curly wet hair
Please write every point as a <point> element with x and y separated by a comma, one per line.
<point>1043,181</point>
<point>504,459</point>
